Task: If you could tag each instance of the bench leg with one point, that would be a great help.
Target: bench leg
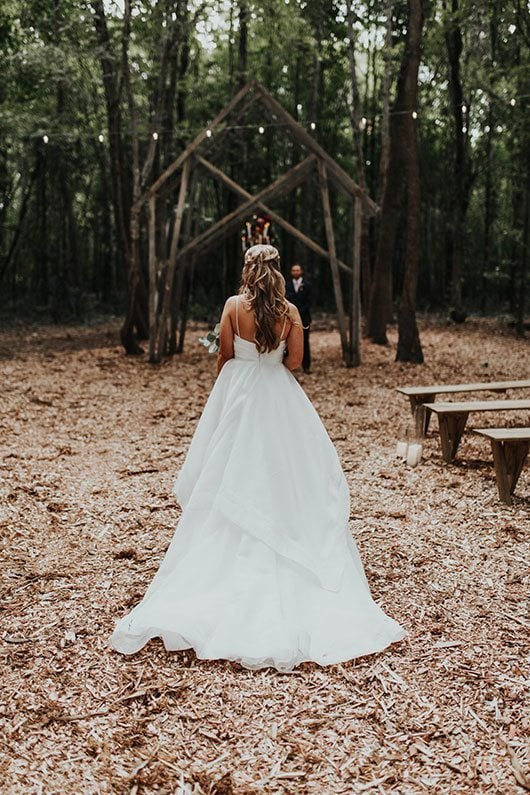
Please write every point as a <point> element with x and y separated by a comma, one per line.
<point>451,430</point>
<point>509,459</point>
<point>422,416</point>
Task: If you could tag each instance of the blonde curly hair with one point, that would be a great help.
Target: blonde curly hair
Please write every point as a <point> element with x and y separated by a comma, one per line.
<point>263,286</point>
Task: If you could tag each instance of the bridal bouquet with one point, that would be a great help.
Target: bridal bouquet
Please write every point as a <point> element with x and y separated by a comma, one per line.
<point>211,340</point>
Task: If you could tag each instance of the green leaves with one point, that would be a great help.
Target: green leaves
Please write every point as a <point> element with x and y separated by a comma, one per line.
<point>211,340</point>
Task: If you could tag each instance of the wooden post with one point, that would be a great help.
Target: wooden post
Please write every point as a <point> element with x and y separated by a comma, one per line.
<point>152,279</point>
<point>186,306</point>
<point>186,234</point>
<point>170,271</point>
<point>328,222</point>
<point>355,314</point>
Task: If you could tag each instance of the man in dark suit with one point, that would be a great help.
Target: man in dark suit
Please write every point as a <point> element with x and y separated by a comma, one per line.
<point>298,292</point>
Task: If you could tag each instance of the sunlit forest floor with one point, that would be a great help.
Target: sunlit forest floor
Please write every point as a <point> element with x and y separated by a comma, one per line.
<point>91,443</point>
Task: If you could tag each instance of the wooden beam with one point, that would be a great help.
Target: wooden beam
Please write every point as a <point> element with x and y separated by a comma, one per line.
<point>212,143</point>
<point>337,289</point>
<point>348,184</point>
<point>152,278</point>
<point>165,299</point>
<point>355,314</point>
<point>294,176</point>
<point>191,147</point>
<point>292,230</point>
<point>197,189</point>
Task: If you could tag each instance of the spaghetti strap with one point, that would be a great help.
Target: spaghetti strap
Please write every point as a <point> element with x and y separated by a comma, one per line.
<point>237,315</point>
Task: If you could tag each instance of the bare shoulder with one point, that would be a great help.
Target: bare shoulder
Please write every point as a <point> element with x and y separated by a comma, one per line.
<point>230,302</point>
<point>294,314</point>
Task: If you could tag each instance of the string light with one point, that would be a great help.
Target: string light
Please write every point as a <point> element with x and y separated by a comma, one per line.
<point>299,107</point>
<point>362,124</point>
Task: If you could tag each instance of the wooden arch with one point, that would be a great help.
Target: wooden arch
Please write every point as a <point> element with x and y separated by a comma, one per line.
<point>166,273</point>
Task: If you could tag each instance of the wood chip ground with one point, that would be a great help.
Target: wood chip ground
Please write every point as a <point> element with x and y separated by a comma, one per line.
<point>91,442</point>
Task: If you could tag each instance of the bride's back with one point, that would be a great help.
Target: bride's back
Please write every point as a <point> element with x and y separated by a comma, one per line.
<point>245,321</point>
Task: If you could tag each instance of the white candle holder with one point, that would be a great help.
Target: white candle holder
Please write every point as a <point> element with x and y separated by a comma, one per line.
<point>414,453</point>
<point>410,451</point>
<point>401,450</point>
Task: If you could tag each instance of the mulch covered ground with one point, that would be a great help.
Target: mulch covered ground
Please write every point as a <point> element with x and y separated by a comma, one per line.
<point>91,442</point>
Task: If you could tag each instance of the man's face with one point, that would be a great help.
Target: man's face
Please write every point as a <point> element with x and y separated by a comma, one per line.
<point>296,271</point>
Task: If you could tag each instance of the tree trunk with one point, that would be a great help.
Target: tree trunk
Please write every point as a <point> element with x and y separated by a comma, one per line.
<point>409,346</point>
<point>385,119</point>
<point>381,296</point>
<point>355,118</point>
<point>462,176</point>
<point>114,124</point>
<point>242,53</point>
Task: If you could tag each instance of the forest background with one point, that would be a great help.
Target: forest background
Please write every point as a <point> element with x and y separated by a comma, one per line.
<point>96,99</point>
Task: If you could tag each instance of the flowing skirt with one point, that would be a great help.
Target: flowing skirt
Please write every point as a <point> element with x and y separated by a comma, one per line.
<point>262,568</point>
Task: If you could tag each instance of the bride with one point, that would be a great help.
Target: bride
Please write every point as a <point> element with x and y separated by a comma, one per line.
<point>262,568</point>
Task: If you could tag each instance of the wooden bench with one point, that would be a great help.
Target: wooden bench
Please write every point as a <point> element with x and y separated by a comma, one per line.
<point>452,419</point>
<point>419,395</point>
<point>510,451</point>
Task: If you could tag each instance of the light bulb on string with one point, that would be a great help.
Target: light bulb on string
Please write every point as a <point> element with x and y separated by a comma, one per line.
<point>261,130</point>
<point>299,107</point>
<point>513,101</point>
<point>101,138</point>
<point>208,133</point>
<point>414,114</point>
<point>313,125</point>
<point>155,136</point>
<point>45,139</point>
<point>362,123</point>
<point>464,108</point>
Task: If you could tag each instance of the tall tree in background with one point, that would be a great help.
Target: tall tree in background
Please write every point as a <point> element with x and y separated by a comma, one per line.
<point>462,174</point>
<point>409,346</point>
<point>355,117</point>
<point>403,158</point>
<point>242,49</point>
<point>521,175</point>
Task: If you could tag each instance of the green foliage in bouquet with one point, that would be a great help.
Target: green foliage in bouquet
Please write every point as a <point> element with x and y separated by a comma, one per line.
<point>211,340</point>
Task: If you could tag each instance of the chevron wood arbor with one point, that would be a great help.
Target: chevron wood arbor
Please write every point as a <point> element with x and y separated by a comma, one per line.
<point>174,252</point>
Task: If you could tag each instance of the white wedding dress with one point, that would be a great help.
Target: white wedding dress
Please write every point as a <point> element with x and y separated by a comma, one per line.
<point>262,568</point>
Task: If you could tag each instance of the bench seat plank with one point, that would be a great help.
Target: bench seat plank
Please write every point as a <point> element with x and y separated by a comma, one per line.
<point>440,389</point>
<point>445,407</point>
<point>504,434</point>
